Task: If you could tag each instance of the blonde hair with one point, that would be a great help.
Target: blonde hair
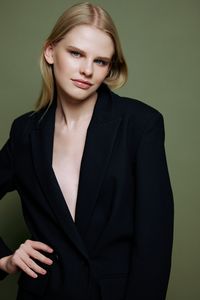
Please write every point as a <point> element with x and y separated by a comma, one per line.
<point>82,14</point>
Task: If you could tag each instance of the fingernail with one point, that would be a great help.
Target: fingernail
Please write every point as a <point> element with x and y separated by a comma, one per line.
<point>35,275</point>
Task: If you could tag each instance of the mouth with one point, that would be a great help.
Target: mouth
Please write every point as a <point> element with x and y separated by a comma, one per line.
<point>83,84</point>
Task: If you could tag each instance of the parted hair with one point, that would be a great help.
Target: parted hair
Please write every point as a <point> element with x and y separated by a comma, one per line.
<point>82,14</point>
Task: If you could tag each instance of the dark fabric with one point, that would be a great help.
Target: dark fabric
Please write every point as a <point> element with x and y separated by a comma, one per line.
<point>4,251</point>
<point>120,245</point>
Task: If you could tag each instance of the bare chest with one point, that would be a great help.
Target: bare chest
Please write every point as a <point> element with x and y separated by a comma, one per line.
<point>67,155</point>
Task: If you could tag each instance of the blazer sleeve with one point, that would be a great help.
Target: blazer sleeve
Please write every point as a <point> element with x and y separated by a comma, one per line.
<point>153,218</point>
<point>6,185</point>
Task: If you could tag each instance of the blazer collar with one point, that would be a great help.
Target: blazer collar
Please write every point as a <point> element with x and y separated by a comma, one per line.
<point>100,137</point>
<point>103,109</point>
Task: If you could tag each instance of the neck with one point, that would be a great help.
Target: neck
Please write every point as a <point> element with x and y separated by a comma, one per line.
<point>73,113</point>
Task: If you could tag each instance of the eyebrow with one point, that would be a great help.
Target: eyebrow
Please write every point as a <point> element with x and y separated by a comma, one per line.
<point>83,52</point>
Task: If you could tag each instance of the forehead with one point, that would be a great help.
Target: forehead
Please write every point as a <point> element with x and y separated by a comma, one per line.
<point>89,39</point>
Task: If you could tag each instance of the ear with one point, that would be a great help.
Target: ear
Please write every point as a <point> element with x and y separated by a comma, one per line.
<point>48,53</point>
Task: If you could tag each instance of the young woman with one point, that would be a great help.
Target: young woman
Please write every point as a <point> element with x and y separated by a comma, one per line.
<point>91,171</point>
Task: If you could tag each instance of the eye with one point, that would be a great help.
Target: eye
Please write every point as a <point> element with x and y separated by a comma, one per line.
<point>75,53</point>
<point>101,62</point>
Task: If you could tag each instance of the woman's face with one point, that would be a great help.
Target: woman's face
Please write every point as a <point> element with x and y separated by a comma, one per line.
<point>81,61</point>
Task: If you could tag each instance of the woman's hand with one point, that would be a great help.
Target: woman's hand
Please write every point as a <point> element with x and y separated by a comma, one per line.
<point>23,259</point>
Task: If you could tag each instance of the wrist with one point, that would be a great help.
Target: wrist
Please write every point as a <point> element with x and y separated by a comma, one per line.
<point>3,263</point>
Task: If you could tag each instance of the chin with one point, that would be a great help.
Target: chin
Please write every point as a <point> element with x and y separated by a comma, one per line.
<point>81,94</point>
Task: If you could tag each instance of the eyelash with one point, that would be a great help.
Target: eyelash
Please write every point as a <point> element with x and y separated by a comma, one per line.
<point>100,62</point>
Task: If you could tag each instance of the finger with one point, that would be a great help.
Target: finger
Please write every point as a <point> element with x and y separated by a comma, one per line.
<point>37,253</point>
<point>34,266</point>
<point>39,246</point>
<point>22,260</point>
<point>27,270</point>
<point>42,258</point>
<point>19,263</point>
<point>26,250</point>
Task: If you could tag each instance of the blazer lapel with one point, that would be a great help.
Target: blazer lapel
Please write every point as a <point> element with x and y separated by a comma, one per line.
<point>99,142</point>
<point>42,146</point>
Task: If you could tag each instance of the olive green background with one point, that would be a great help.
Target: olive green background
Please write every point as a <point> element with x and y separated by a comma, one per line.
<point>161,41</point>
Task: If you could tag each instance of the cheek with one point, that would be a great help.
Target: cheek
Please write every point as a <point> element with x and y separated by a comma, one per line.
<point>64,65</point>
<point>101,73</point>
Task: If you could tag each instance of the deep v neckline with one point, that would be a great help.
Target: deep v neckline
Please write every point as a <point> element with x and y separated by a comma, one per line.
<point>59,189</point>
<point>72,210</point>
<point>101,135</point>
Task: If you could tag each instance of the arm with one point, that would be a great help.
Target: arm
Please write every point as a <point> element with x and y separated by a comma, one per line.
<point>153,227</point>
<point>29,251</point>
<point>6,185</point>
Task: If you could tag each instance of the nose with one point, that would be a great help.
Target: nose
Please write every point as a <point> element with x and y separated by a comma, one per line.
<point>86,68</point>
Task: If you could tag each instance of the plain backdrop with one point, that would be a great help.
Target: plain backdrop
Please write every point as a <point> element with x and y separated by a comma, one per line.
<point>161,42</point>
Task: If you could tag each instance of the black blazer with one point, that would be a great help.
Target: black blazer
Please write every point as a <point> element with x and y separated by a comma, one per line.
<point>120,245</point>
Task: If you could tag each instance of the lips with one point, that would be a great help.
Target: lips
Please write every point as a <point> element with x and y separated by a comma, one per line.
<point>83,84</point>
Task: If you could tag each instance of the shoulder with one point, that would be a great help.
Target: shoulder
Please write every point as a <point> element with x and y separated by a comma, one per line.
<point>142,122</point>
<point>134,108</point>
<point>137,112</point>
<point>24,123</point>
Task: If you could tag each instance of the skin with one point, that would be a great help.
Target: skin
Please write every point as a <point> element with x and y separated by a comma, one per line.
<point>85,53</point>
<point>81,61</point>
